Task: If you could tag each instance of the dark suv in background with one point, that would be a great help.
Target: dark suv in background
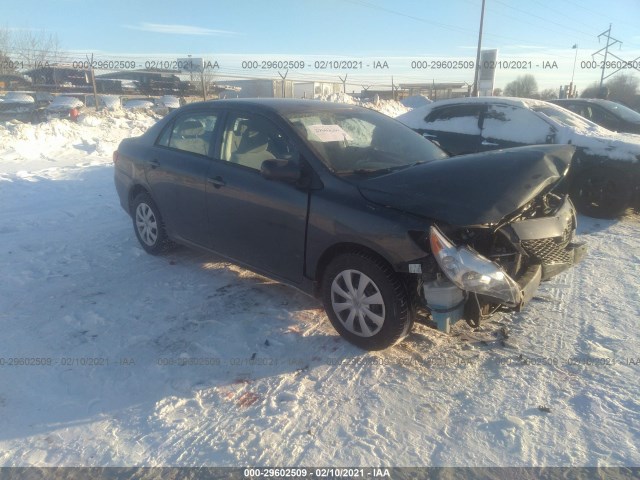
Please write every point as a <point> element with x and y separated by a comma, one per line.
<point>607,114</point>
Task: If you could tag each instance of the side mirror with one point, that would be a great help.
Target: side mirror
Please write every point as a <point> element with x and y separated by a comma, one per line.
<point>279,169</point>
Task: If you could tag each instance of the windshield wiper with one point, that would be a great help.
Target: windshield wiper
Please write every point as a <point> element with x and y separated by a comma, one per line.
<point>367,171</point>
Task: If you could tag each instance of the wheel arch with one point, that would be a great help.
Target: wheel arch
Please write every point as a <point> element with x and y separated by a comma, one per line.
<point>338,249</point>
<point>136,190</point>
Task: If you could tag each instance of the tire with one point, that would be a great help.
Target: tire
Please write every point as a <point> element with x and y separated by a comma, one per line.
<point>601,192</point>
<point>148,225</point>
<point>372,315</point>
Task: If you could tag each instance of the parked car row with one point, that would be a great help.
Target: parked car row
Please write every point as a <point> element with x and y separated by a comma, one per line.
<point>40,106</point>
<point>354,208</point>
<point>604,179</point>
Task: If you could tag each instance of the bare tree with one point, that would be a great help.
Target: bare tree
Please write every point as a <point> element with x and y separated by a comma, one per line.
<point>548,94</point>
<point>591,91</point>
<point>203,81</point>
<point>36,49</point>
<point>6,64</point>
<point>622,88</point>
<point>523,86</point>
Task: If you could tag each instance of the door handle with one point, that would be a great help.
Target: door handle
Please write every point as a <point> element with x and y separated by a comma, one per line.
<point>154,163</point>
<point>489,144</point>
<point>217,182</point>
<point>428,135</point>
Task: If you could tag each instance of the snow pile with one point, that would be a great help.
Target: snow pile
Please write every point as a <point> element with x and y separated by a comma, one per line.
<point>390,108</point>
<point>416,101</point>
<point>59,143</point>
<point>338,98</point>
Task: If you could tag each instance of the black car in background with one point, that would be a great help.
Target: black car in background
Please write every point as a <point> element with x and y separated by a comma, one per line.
<point>605,174</point>
<point>353,207</point>
<point>607,114</point>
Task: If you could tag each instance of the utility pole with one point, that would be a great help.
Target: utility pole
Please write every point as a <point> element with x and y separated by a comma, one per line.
<point>93,81</point>
<point>610,42</point>
<point>624,63</point>
<point>575,59</point>
<point>476,77</point>
<point>283,82</point>
<point>204,86</point>
<point>344,83</point>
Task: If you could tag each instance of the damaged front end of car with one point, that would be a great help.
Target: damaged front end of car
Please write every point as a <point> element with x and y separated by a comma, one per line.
<point>500,225</point>
<point>474,272</point>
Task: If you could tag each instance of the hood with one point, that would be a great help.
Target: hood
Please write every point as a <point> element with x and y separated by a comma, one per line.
<point>472,189</point>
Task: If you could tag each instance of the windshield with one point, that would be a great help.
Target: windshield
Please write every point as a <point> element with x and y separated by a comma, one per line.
<point>360,141</point>
<point>563,116</point>
<point>623,112</point>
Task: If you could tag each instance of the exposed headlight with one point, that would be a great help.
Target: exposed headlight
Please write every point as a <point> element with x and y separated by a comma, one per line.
<point>471,271</point>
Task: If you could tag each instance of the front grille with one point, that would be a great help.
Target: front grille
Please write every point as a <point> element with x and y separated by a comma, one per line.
<point>550,250</point>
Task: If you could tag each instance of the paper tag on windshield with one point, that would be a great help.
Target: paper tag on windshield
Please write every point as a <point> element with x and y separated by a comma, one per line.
<point>329,133</point>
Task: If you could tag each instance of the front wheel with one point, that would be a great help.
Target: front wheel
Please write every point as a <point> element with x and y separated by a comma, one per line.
<point>601,192</point>
<point>366,301</point>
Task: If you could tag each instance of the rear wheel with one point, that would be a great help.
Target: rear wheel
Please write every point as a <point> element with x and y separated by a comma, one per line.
<point>148,225</point>
<point>601,192</point>
<point>366,301</point>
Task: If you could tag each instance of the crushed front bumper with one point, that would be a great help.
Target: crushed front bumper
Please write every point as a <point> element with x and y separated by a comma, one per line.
<point>549,241</point>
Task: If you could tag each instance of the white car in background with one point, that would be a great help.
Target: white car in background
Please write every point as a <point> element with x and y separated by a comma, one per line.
<point>604,178</point>
<point>105,102</point>
<point>18,106</point>
<point>61,107</point>
<point>166,104</point>
<point>138,104</point>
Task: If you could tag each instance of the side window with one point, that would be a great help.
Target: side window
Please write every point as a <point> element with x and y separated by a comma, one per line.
<point>600,115</point>
<point>579,109</point>
<point>514,124</point>
<point>455,119</point>
<point>249,140</point>
<point>190,133</point>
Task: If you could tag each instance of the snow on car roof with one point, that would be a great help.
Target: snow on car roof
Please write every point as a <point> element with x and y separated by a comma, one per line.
<point>138,103</point>
<point>18,97</point>
<point>62,101</point>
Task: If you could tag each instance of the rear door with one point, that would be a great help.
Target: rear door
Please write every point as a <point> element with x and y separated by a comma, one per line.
<point>506,126</point>
<point>256,221</point>
<point>455,127</point>
<point>176,173</point>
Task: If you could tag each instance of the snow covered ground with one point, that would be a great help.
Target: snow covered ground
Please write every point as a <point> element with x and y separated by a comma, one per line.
<point>111,357</point>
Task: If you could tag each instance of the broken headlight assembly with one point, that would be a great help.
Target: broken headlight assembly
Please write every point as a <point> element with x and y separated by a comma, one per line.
<point>472,272</point>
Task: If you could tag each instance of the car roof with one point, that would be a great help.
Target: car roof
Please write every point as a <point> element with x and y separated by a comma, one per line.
<point>513,101</point>
<point>278,105</point>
